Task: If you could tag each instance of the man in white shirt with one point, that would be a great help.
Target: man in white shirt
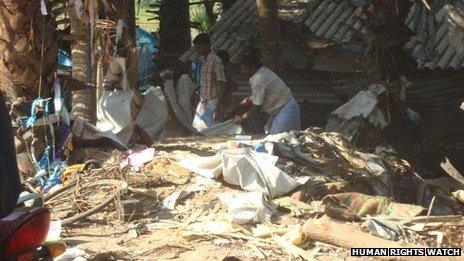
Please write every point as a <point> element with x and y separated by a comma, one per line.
<point>270,95</point>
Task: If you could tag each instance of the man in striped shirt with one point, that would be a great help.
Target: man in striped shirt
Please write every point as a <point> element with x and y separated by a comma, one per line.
<point>213,82</point>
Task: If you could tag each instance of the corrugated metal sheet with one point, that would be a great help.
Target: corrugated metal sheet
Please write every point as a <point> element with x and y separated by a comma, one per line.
<point>430,92</point>
<point>335,21</point>
<point>433,48</point>
<point>239,26</point>
<point>304,91</point>
<point>233,31</point>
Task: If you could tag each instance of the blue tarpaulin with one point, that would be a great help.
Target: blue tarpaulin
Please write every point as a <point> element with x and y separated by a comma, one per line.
<point>64,59</point>
<point>145,38</point>
<point>147,43</point>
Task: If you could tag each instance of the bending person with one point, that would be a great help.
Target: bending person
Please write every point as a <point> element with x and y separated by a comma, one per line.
<point>270,95</point>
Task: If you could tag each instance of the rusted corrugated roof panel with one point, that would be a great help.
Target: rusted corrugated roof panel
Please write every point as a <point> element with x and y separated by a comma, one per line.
<point>432,48</point>
<point>335,21</point>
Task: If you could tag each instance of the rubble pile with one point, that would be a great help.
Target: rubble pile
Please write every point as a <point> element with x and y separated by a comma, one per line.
<point>293,194</point>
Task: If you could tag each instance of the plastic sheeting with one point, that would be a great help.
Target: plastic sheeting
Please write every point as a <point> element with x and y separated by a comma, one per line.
<point>145,68</point>
<point>144,38</point>
<point>184,90</point>
<point>184,117</point>
<point>248,207</point>
<point>114,114</point>
<point>383,227</point>
<point>154,113</point>
<point>349,118</point>
<point>364,105</point>
<point>88,132</point>
<point>250,170</point>
<point>225,128</point>
<point>171,95</point>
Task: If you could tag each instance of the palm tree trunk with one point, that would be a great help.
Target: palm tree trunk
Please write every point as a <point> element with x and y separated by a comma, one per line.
<point>175,36</point>
<point>27,50</point>
<point>83,101</point>
<point>270,34</point>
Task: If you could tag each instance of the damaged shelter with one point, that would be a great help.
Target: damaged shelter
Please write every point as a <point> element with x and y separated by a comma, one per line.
<point>379,84</point>
<point>334,49</point>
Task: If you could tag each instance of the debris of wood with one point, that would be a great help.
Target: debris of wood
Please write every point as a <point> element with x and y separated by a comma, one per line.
<point>332,232</point>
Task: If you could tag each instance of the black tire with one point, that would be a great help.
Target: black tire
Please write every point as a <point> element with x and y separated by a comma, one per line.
<point>88,213</point>
<point>68,221</point>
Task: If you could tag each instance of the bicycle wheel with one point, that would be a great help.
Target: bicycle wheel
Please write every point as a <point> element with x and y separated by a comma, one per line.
<point>82,198</point>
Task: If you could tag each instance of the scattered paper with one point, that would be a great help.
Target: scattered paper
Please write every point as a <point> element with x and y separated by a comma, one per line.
<point>247,207</point>
<point>171,201</point>
<point>54,232</point>
<point>137,159</point>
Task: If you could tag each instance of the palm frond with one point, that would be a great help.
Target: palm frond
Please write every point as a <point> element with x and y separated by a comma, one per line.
<point>199,18</point>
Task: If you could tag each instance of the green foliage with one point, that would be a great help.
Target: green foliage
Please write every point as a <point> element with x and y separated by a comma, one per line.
<point>199,17</point>
<point>145,3</point>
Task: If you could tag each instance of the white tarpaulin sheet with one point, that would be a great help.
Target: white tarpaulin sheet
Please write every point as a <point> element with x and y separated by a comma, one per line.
<point>364,105</point>
<point>114,114</point>
<point>180,103</point>
<point>87,131</point>
<point>154,113</point>
<point>184,90</point>
<point>349,118</point>
<point>171,95</point>
<point>250,170</point>
<point>225,128</point>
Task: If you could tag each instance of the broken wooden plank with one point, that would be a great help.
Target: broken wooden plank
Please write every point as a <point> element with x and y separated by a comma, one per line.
<point>452,171</point>
<point>329,231</point>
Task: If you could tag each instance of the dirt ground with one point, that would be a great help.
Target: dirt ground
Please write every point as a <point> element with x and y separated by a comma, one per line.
<point>184,233</point>
<point>114,242</point>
